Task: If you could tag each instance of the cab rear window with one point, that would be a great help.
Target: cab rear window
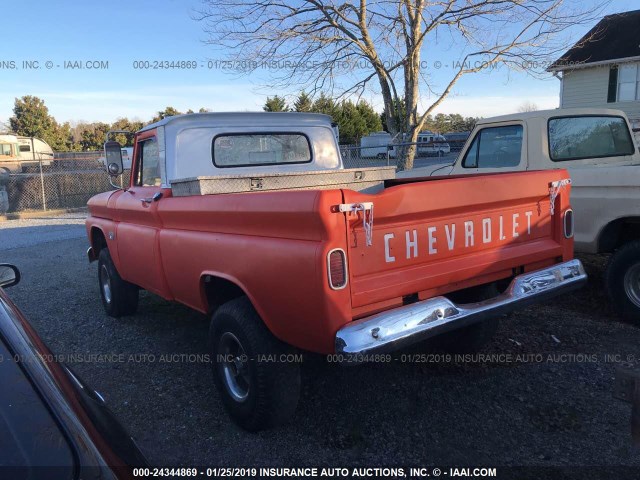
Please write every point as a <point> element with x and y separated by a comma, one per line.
<point>572,138</point>
<point>255,149</point>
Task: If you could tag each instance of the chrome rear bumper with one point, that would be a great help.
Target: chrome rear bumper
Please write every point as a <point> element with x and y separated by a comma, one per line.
<point>394,329</point>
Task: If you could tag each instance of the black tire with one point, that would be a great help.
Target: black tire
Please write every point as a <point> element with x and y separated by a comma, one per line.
<point>474,337</point>
<point>119,297</point>
<point>258,393</point>
<point>622,280</point>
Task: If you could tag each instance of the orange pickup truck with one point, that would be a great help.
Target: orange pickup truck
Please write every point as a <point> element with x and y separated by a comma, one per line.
<point>252,219</point>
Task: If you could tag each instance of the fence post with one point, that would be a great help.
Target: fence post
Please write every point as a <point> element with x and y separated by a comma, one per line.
<point>44,197</point>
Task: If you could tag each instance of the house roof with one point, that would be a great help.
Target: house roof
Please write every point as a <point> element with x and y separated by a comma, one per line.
<point>615,37</point>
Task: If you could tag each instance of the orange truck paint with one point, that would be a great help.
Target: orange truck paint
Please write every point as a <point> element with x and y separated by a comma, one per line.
<point>429,238</point>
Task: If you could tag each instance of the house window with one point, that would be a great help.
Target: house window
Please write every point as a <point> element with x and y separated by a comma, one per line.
<point>628,82</point>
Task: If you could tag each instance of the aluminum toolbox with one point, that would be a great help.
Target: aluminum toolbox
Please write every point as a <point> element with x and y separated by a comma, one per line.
<point>360,179</point>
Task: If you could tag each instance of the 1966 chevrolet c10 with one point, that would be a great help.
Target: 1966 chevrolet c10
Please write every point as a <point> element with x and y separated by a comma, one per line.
<point>252,219</point>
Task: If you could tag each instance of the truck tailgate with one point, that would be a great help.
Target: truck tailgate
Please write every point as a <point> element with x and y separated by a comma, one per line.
<point>440,235</point>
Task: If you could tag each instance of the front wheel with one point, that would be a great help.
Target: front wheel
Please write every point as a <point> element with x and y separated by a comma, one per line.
<point>119,297</point>
<point>622,280</point>
<point>257,377</point>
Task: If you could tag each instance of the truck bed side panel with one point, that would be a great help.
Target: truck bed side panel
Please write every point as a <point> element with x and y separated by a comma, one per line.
<point>273,246</point>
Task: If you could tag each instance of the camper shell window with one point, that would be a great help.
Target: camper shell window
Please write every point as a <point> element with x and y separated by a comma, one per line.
<point>259,149</point>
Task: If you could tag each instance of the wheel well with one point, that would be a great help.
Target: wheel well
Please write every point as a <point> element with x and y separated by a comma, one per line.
<point>218,291</point>
<point>617,233</point>
<point>98,240</point>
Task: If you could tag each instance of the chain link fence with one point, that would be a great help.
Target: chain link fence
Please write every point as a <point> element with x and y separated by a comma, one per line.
<point>66,182</point>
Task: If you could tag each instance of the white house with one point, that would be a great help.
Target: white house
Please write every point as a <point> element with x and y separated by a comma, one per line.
<point>602,70</point>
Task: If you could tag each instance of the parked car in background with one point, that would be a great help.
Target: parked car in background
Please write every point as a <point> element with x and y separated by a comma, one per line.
<point>375,145</point>
<point>597,147</point>
<point>432,144</point>
<point>53,425</point>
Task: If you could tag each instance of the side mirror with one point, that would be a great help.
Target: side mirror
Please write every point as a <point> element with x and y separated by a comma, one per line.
<point>9,275</point>
<point>113,158</point>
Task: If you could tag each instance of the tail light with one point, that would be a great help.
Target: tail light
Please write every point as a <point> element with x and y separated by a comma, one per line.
<point>337,269</point>
<point>568,223</point>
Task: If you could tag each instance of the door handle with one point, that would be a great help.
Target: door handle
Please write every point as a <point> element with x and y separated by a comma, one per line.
<point>156,196</point>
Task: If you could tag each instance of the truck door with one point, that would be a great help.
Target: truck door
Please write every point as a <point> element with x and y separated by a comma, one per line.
<point>501,148</point>
<point>139,223</point>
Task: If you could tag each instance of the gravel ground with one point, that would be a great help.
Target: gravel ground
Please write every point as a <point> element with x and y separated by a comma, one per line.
<point>555,412</point>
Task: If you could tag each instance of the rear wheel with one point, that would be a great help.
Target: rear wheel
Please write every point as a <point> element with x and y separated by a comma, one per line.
<point>119,297</point>
<point>259,384</point>
<point>622,280</point>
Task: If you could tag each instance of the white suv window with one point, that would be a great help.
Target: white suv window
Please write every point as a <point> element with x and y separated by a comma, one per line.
<point>572,138</point>
<point>495,147</point>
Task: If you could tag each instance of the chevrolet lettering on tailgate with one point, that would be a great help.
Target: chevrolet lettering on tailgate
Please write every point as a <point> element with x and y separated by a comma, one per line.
<point>449,236</point>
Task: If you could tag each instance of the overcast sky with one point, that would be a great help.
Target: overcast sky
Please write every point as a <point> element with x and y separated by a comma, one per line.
<point>118,35</point>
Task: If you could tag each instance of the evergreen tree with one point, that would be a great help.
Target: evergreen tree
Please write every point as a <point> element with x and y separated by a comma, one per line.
<point>326,105</point>
<point>303,103</point>
<point>167,112</point>
<point>275,104</point>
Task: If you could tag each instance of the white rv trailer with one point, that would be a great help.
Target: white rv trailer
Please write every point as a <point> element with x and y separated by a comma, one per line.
<point>17,152</point>
<point>375,145</point>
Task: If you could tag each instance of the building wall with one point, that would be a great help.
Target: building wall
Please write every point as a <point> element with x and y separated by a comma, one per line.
<point>588,87</point>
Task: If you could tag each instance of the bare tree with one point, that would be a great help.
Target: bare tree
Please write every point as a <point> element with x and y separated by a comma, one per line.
<point>527,106</point>
<point>350,47</point>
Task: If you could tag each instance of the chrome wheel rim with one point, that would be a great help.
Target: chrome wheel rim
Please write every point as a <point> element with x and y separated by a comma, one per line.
<point>235,367</point>
<point>632,284</point>
<point>105,283</point>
